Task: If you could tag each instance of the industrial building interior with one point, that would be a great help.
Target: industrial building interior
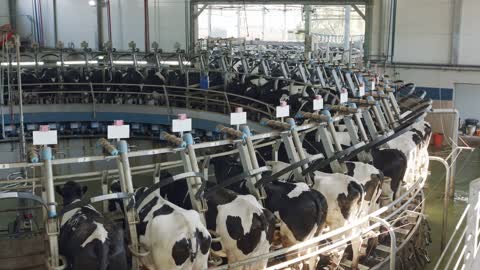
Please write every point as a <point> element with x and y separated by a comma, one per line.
<point>239,134</point>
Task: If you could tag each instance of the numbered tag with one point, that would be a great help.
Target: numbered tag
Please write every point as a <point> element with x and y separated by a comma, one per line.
<point>361,90</point>
<point>343,96</point>
<point>183,124</point>
<point>318,103</point>
<point>238,118</point>
<point>45,136</point>
<point>118,132</point>
<point>283,110</point>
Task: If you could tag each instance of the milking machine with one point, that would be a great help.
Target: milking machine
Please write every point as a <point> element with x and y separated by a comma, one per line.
<point>190,164</point>
<point>378,110</point>
<point>248,158</point>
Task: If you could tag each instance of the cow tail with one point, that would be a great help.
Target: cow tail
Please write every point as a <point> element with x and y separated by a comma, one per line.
<point>362,201</point>
<point>102,252</point>
<point>321,210</point>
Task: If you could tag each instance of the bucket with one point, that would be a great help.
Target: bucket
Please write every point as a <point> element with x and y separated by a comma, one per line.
<point>437,139</point>
<point>471,130</point>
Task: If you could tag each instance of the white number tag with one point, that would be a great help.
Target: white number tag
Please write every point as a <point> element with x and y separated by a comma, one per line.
<point>283,111</point>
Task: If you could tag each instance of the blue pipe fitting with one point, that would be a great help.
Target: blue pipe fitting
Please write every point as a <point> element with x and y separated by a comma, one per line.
<point>292,123</point>
<point>246,132</point>
<point>122,147</point>
<point>299,116</point>
<point>327,113</point>
<point>46,153</point>
<point>187,140</point>
<point>52,214</point>
<point>34,160</point>
<point>370,98</point>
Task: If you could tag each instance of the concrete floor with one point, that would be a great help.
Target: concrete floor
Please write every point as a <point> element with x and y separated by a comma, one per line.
<point>467,170</point>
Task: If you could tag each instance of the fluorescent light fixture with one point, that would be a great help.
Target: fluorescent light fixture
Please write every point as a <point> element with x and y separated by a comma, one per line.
<point>92,3</point>
<point>101,57</point>
<point>23,64</point>
<point>128,62</point>
<point>174,63</point>
<point>81,62</point>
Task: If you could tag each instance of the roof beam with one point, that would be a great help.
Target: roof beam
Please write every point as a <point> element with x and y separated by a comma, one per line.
<point>200,10</point>
<point>355,7</point>
<point>291,2</point>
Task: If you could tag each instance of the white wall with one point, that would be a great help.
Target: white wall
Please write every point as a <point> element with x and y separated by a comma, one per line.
<point>436,78</point>
<point>470,35</point>
<point>77,22</point>
<point>4,12</point>
<point>167,23</point>
<point>423,31</point>
<point>127,24</point>
<point>466,98</point>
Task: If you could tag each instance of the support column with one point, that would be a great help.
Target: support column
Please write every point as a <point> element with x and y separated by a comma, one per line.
<point>308,22</point>
<point>209,21</point>
<point>264,11</point>
<point>99,26</point>
<point>49,191</point>
<point>284,32</point>
<point>456,31</point>
<point>239,22</point>
<point>367,46</point>
<point>55,22</point>
<point>147,26</point>
<point>346,35</point>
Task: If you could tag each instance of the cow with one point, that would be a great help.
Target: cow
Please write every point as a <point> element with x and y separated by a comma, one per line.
<point>348,198</point>
<point>244,227</point>
<point>286,200</point>
<point>414,145</point>
<point>173,237</point>
<point>87,239</point>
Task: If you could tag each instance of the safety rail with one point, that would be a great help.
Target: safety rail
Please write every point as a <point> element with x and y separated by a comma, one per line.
<point>161,95</point>
<point>385,213</point>
<point>405,199</point>
<point>465,251</point>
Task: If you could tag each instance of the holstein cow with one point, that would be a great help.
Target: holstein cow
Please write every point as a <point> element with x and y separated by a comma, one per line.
<point>244,227</point>
<point>414,145</point>
<point>287,201</point>
<point>87,239</point>
<point>174,238</point>
<point>347,202</point>
<point>391,163</point>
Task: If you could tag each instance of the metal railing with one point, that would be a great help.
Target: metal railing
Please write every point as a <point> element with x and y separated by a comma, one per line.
<point>158,95</point>
<point>364,225</point>
<point>465,251</point>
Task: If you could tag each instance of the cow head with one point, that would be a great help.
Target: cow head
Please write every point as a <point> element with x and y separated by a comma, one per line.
<point>115,205</point>
<point>71,191</point>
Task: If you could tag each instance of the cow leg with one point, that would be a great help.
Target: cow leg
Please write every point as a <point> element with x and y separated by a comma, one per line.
<point>356,246</point>
<point>288,240</point>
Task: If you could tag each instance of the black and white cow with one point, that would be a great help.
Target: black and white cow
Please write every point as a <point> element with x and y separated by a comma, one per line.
<point>244,227</point>
<point>414,145</point>
<point>174,238</point>
<point>348,199</point>
<point>286,200</point>
<point>87,239</point>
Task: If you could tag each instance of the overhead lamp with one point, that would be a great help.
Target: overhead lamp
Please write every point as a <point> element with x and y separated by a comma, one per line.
<point>92,3</point>
<point>23,64</point>
<point>128,62</point>
<point>94,62</point>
